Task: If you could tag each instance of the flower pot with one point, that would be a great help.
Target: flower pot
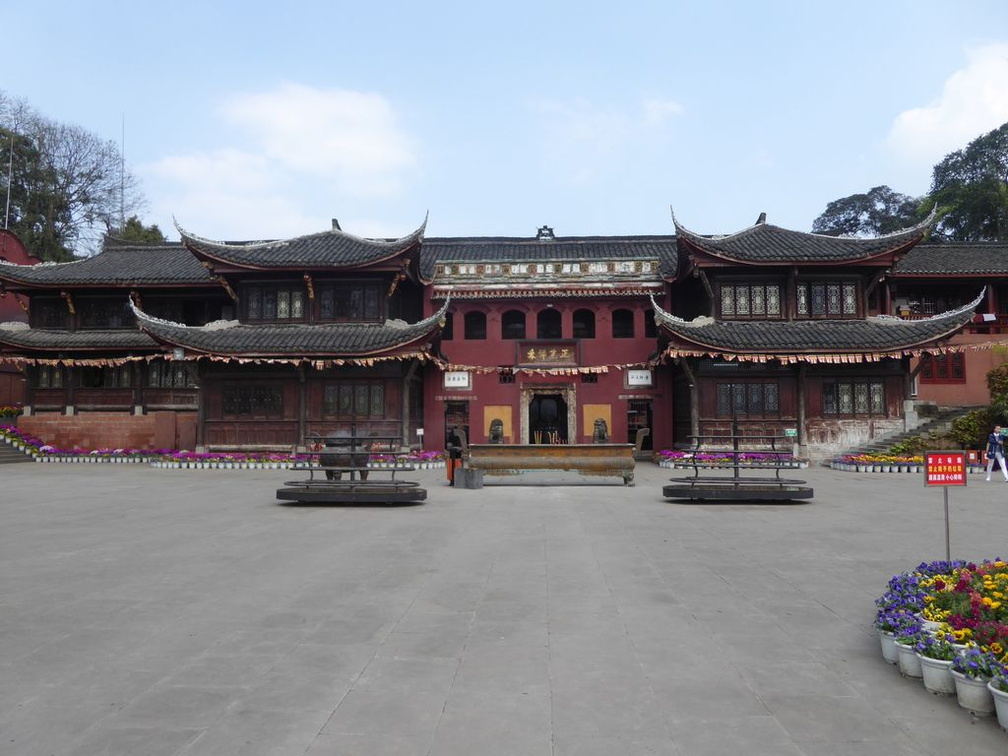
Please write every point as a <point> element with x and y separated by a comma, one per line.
<point>889,652</point>
<point>973,694</point>
<point>1000,705</point>
<point>909,662</point>
<point>937,674</point>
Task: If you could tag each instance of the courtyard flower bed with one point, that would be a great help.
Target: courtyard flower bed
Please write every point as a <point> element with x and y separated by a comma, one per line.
<point>951,618</point>
<point>677,459</point>
<point>888,463</point>
<point>190,460</point>
<point>10,410</point>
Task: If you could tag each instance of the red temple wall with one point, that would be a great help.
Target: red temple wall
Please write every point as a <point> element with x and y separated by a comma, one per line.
<point>113,430</point>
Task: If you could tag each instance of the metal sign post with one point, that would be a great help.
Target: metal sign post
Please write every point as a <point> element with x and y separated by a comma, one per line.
<point>945,469</point>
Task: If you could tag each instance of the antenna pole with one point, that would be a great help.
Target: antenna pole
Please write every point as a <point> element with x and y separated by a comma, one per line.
<point>10,176</point>
<point>122,178</point>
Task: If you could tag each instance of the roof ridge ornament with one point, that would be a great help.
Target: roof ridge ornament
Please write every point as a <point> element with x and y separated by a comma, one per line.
<point>545,233</point>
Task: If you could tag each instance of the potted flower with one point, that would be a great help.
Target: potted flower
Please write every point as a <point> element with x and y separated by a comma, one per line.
<point>998,686</point>
<point>907,639</point>
<point>889,621</point>
<point>936,655</point>
<point>972,669</point>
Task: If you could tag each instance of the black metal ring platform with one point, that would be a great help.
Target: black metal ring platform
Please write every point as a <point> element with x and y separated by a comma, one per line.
<point>353,492</point>
<point>789,490</point>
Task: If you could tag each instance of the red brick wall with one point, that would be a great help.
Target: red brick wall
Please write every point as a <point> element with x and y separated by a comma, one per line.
<point>113,430</point>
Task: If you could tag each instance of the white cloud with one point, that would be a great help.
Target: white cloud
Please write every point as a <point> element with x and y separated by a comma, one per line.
<point>974,100</point>
<point>297,156</point>
<point>657,112</point>
<point>580,134</point>
<point>346,136</point>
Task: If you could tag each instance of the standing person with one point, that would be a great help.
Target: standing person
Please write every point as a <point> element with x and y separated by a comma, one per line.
<point>995,451</point>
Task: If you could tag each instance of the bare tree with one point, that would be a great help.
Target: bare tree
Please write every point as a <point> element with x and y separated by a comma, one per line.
<point>68,187</point>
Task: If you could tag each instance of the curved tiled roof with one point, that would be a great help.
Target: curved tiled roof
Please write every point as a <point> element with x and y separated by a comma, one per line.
<point>115,266</point>
<point>71,341</point>
<point>766,244</point>
<point>975,259</point>
<point>326,250</point>
<point>488,249</point>
<point>293,340</point>
<point>812,340</point>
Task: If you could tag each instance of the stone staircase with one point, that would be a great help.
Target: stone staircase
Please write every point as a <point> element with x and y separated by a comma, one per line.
<point>10,455</point>
<point>939,422</point>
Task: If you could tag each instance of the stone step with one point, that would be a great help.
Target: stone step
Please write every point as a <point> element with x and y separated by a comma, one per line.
<point>10,455</point>
<point>940,421</point>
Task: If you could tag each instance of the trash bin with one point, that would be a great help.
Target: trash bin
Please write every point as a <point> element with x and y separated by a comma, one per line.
<point>454,463</point>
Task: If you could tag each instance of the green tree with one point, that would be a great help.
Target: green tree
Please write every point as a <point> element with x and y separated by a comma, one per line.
<point>877,212</point>
<point>970,187</point>
<point>135,231</point>
<point>68,186</point>
<point>997,384</point>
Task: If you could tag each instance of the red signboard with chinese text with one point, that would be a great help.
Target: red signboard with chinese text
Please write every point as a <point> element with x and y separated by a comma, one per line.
<point>945,468</point>
<point>547,353</point>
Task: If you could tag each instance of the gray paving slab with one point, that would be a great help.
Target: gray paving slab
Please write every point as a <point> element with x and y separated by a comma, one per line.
<point>189,613</point>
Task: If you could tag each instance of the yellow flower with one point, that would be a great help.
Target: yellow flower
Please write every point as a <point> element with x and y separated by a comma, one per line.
<point>996,648</point>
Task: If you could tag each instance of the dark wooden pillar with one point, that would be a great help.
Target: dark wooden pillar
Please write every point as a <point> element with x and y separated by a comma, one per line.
<point>302,404</point>
<point>694,397</point>
<point>406,388</point>
<point>802,439</point>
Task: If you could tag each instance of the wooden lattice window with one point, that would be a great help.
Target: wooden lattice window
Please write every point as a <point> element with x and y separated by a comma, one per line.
<point>827,299</point>
<point>252,401</point>
<point>355,400</point>
<point>853,398</point>
<point>943,368</point>
<point>274,303</point>
<point>750,301</point>
<point>748,398</point>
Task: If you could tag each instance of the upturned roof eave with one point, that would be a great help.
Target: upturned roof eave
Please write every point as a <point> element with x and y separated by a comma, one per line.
<point>216,251</point>
<point>712,245</point>
<point>171,334</point>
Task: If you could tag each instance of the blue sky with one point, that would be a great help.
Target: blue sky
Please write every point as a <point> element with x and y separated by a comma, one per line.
<point>248,120</point>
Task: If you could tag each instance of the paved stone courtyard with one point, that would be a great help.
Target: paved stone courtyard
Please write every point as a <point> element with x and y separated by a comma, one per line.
<point>149,612</point>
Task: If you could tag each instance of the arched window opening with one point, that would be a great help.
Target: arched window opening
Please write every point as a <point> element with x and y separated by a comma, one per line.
<point>650,328</point>
<point>623,324</point>
<point>548,324</point>
<point>513,325</point>
<point>584,324</point>
<point>475,326</point>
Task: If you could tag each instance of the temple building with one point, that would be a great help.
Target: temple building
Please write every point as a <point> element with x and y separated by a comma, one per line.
<point>934,278</point>
<point>789,333</point>
<point>216,345</point>
<point>12,309</point>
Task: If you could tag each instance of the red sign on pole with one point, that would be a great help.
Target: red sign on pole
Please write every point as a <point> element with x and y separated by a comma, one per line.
<point>945,468</point>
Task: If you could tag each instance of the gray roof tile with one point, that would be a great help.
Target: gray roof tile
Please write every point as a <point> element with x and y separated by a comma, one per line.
<point>768,244</point>
<point>70,341</point>
<point>974,259</point>
<point>115,266</point>
<point>329,340</point>
<point>813,337</point>
<point>329,250</point>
